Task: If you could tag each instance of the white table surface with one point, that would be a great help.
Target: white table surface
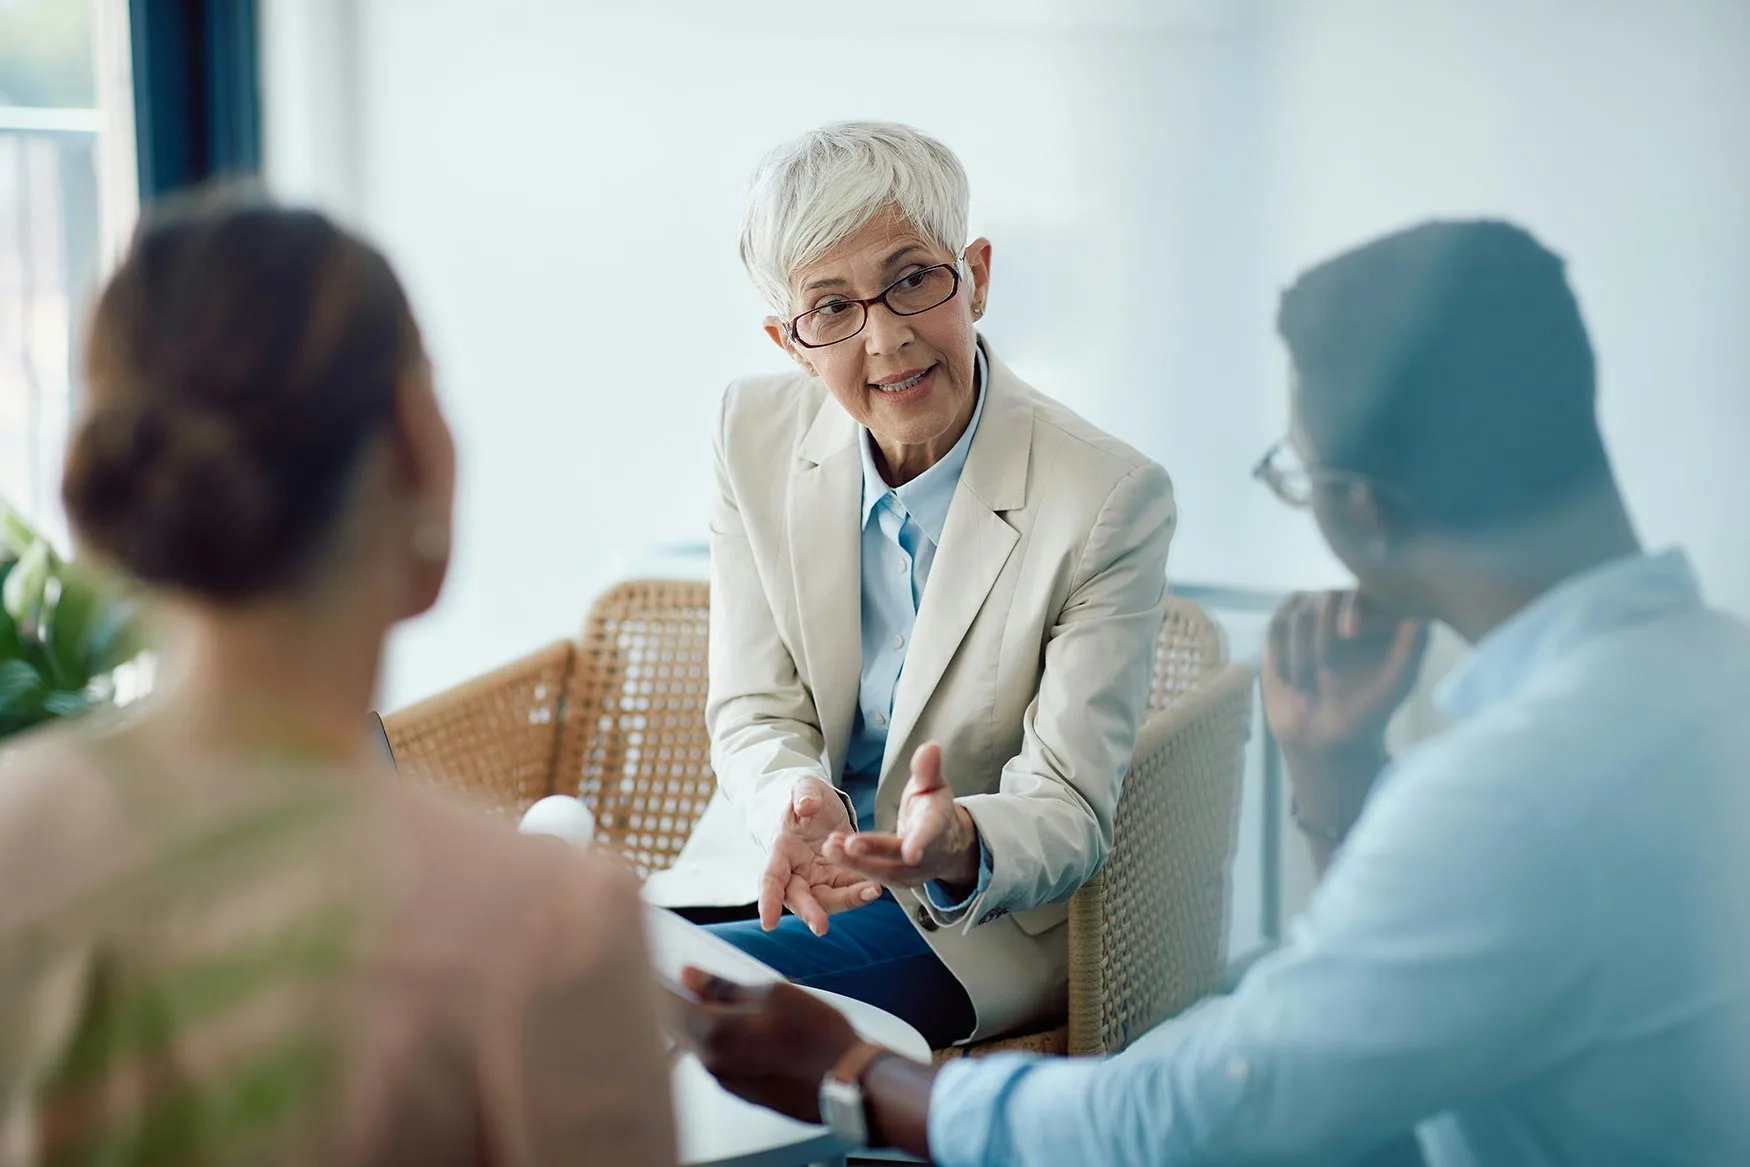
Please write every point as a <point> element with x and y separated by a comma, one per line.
<point>717,1129</point>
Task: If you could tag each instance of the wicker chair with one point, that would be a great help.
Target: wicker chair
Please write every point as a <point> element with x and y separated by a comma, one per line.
<point>617,719</point>
<point>1147,932</point>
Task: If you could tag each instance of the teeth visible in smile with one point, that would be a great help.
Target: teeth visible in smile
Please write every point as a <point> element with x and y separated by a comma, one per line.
<point>902,386</point>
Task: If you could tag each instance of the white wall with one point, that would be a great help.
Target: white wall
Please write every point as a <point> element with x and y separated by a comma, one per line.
<point>547,173</point>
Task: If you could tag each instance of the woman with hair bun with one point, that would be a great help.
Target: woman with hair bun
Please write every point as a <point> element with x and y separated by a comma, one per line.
<point>227,933</point>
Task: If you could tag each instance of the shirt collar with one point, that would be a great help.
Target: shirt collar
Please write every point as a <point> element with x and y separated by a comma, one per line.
<point>1624,591</point>
<point>927,497</point>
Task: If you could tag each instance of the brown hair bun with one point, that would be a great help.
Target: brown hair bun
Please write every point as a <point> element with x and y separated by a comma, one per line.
<point>241,358</point>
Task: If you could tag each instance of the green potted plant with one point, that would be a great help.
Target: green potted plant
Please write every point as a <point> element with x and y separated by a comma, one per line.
<point>65,628</point>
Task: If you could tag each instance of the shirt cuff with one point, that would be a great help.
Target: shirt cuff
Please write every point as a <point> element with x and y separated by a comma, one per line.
<point>937,892</point>
<point>850,805</point>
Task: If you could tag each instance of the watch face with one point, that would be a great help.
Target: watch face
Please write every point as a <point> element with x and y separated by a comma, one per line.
<point>841,1108</point>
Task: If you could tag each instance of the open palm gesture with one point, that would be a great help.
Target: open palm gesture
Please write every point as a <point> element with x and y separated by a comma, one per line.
<point>934,837</point>
<point>799,875</point>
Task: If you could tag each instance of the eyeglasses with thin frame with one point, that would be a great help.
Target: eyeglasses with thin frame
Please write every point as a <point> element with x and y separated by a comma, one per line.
<point>1289,477</point>
<point>1286,474</point>
<point>910,295</point>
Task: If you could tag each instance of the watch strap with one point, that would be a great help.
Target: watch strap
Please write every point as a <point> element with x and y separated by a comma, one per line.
<point>851,1064</point>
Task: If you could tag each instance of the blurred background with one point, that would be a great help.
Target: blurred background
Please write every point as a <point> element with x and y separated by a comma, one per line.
<point>548,174</point>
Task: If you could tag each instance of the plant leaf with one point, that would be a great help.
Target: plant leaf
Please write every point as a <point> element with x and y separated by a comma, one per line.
<point>16,678</point>
<point>24,599</point>
<point>64,628</point>
<point>27,582</point>
<point>16,535</point>
<point>10,648</point>
<point>21,697</point>
<point>65,703</point>
<point>68,625</point>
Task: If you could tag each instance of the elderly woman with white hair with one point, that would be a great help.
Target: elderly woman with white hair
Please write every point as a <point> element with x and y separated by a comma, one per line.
<point>934,598</point>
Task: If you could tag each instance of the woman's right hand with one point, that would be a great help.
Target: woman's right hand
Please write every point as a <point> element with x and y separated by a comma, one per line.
<point>798,875</point>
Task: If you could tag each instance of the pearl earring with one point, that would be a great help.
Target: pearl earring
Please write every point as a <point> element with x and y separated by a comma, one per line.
<point>431,540</point>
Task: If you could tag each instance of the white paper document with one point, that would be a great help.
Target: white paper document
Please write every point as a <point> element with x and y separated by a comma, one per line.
<point>676,943</point>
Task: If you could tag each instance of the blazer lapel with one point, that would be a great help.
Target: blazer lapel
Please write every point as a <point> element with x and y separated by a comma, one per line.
<point>826,562</point>
<point>976,545</point>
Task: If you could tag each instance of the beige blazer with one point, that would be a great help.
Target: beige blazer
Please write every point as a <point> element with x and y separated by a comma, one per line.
<point>1029,662</point>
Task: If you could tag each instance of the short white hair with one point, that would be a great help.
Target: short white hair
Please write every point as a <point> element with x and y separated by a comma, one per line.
<point>817,190</point>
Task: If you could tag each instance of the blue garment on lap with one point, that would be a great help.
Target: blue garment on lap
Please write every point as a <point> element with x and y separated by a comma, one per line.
<point>871,954</point>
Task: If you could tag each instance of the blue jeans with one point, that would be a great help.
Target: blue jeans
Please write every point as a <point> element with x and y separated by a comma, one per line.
<point>870,953</point>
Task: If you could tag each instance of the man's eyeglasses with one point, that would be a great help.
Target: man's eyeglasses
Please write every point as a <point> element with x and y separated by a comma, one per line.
<point>1288,476</point>
<point>909,295</point>
<point>1282,470</point>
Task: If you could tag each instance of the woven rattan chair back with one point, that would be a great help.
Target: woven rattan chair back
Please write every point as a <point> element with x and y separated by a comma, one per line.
<point>632,742</point>
<point>1174,836</point>
<point>1148,932</point>
<point>1188,649</point>
<point>490,740</point>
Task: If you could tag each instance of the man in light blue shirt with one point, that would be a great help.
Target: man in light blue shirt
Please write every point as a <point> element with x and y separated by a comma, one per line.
<point>1530,943</point>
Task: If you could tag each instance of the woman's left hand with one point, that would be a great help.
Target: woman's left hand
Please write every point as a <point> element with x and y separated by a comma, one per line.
<point>936,839</point>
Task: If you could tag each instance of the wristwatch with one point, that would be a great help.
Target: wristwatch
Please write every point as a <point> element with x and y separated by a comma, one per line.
<point>841,1094</point>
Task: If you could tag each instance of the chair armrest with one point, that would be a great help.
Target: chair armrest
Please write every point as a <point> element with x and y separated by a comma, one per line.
<point>492,739</point>
<point>1147,931</point>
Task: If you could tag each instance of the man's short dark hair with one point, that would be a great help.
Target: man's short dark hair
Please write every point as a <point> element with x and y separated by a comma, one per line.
<point>1449,362</point>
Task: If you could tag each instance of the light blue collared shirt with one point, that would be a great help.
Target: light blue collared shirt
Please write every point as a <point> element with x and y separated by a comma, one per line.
<point>1535,944</point>
<point>902,527</point>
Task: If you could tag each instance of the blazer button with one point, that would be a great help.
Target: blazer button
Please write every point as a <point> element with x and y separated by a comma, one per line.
<point>926,921</point>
